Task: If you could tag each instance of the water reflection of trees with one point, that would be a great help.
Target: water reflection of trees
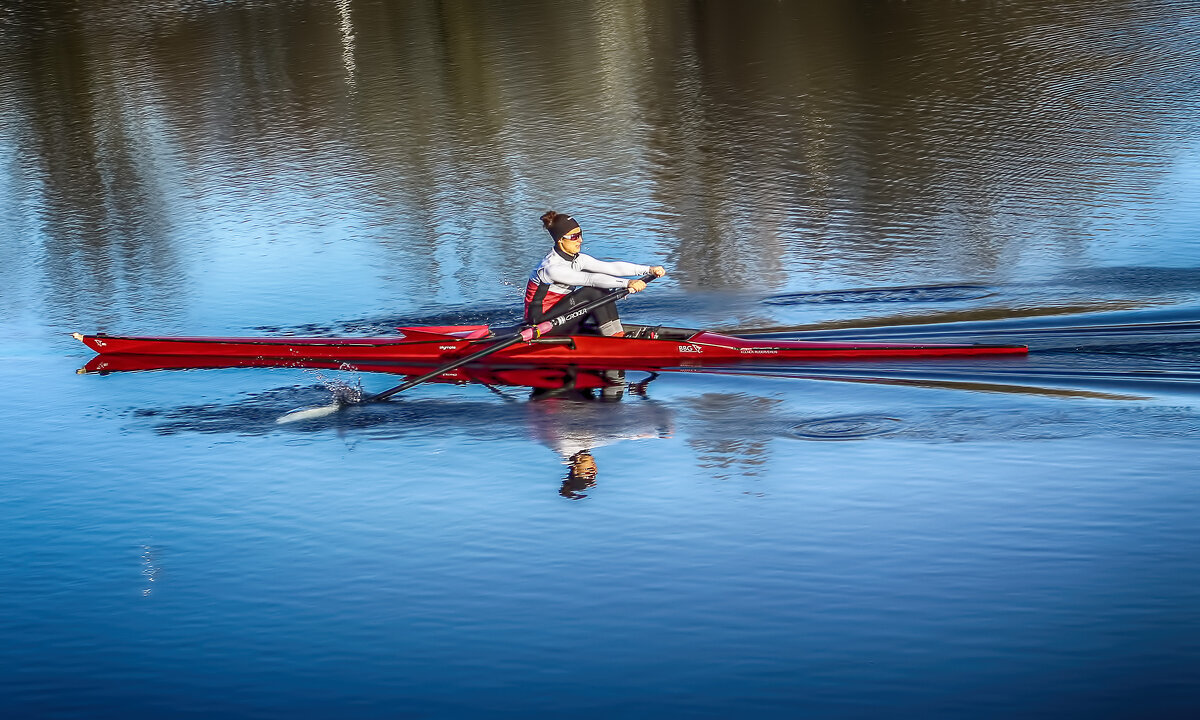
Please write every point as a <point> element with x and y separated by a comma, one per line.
<point>735,138</point>
<point>91,158</point>
<point>732,432</point>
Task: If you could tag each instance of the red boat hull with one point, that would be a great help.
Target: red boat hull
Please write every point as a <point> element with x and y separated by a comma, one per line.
<point>672,347</point>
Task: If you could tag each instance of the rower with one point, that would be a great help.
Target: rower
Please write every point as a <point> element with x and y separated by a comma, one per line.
<point>567,278</point>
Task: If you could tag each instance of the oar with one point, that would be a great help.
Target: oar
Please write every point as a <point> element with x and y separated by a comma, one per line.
<point>525,334</point>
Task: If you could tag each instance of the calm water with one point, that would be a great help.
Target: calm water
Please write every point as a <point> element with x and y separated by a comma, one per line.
<point>991,538</point>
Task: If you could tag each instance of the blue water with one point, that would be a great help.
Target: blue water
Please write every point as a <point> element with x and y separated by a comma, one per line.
<point>984,538</point>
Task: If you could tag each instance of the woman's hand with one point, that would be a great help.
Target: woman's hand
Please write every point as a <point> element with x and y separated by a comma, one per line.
<point>639,285</point>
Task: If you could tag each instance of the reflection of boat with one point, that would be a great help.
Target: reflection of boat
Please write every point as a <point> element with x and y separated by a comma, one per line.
<point>544,378</point>
<point>570,409</point>
<point>642,347</point>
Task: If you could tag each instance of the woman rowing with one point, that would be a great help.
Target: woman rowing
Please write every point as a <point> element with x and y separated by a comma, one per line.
<point>567,278</point>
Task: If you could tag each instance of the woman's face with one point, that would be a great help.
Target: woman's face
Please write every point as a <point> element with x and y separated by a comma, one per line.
<point>571,242</point>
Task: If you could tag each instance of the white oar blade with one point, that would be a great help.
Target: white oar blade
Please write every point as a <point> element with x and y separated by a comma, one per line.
<point>308,413</point>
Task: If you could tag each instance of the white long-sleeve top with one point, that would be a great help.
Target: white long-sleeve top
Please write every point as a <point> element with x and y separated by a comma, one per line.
<point>562,274</point>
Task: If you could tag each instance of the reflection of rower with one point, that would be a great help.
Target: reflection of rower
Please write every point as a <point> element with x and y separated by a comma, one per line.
<point>586,413</point>
<point>583,385</point>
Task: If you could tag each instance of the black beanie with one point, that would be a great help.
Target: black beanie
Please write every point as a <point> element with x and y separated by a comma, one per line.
<point>561,225</point>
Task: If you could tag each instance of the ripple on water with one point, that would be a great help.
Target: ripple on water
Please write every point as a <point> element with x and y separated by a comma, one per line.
<point>846,427</point>
<point>1020,425</point>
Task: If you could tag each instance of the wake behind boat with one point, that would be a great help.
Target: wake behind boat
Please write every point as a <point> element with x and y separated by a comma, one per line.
<point>642,346</point>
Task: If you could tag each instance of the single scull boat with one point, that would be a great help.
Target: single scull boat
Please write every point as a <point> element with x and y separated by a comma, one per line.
<point>643,346</point>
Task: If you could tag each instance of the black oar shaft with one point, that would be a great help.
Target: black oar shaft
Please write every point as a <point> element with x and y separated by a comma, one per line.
<point>448,367</point>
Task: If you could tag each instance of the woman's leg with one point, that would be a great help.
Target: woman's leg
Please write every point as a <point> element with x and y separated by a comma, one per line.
<point>606,316</point>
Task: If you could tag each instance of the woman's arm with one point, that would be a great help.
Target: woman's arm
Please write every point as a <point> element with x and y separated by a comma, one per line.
<point>566,275</point>
<point>616,269</point>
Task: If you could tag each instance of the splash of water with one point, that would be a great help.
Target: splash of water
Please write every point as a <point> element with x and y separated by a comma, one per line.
<point>342,392</point>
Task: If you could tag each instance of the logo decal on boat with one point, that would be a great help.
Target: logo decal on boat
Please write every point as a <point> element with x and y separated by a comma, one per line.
<point>690,348</point>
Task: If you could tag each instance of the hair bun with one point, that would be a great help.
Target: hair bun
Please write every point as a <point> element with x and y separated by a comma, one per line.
<point>558,224</point>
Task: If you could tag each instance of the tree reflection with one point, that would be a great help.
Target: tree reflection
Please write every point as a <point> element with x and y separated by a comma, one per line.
<point>86,151</point>
<point>748,142</point>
